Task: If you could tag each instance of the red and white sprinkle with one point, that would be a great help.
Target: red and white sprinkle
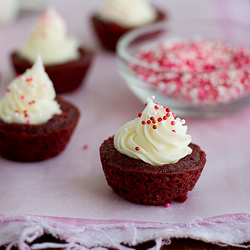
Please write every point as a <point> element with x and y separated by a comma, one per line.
<point>198,71</point>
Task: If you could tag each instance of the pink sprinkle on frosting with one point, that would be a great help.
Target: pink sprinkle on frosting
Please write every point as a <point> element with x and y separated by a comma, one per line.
<point>29,79</point>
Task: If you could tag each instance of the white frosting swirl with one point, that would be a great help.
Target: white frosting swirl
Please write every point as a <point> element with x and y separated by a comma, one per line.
<point>162,141</point>
<point>128,13</point>
<point>30,98</point>
<point>50,39</point>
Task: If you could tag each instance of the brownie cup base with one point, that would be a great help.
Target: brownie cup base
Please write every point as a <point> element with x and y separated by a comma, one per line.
<point>66,77</point>
<point>31,143</point>
<point>109,33</point>
<point>144,183</point>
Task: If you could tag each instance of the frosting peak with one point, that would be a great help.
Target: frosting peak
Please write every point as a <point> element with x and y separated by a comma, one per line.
<point>50,39</point>
<point>128,13</point>
<point>30,98</point>
<point>156,136</point>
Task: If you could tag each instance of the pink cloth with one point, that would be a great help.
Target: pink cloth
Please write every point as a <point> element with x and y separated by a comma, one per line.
<point>71,191</point>
<point>22,231</point>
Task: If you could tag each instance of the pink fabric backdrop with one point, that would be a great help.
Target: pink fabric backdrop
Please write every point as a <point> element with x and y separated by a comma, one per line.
<point>71,191</point>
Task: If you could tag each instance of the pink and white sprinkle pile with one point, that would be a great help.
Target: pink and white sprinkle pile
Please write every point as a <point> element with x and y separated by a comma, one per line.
<point>197,71</point>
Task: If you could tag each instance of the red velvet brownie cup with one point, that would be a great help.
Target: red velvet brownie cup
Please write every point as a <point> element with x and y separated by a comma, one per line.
<point>118,17</point>
<point>151,160</point>
<point>66,62</point>
<point>34,126</point>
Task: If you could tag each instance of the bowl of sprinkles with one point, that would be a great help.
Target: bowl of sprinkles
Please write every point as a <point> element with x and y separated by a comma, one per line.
<point>199,69</point>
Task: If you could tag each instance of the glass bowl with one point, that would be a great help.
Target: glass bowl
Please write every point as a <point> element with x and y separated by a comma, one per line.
<point>232,94</point>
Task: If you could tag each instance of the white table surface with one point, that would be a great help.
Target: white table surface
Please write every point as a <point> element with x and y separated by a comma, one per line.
<point>73,184</point>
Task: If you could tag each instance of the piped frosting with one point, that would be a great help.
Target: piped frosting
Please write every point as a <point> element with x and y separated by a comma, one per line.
<point>30,98</point>
<point>129,13</point>
<point>156,136</point>
<point>49,38</point>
